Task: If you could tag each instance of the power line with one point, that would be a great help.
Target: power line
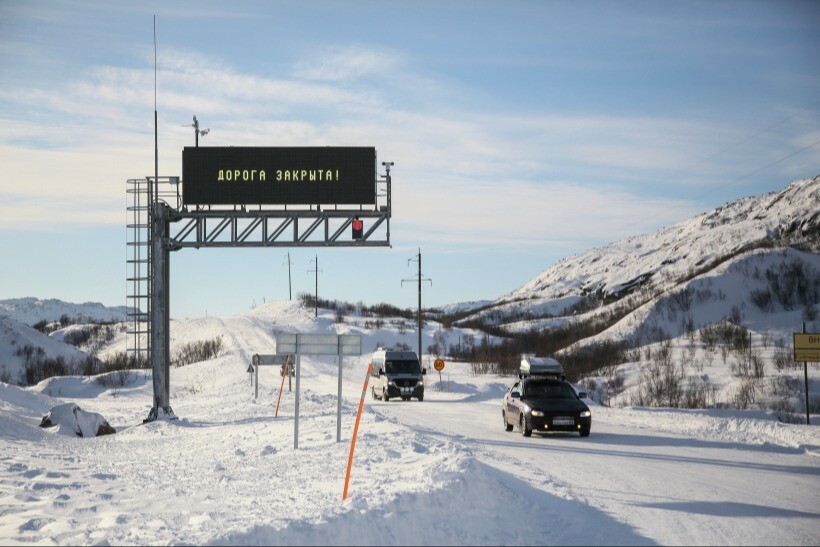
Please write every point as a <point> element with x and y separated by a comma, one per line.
<point>735,145</point>
<point>738,179</point>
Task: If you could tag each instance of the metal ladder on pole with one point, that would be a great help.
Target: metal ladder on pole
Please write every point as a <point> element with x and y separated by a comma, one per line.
<point>139,282</point>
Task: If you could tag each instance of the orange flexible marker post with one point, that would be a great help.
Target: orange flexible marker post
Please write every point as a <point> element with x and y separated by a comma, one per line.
<point>282,387</point>
<point>356,431</point>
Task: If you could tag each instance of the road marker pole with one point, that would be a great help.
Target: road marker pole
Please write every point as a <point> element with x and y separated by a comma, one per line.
<point>356,431</point>
<point>282,387</point>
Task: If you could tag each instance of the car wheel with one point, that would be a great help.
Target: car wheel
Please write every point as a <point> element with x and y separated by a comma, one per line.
<point>507,425</point>
<point>584,432</point>
<point>421,398</point>
<point>385,396</point>
<point>522,424</point>
<point>373,393</point>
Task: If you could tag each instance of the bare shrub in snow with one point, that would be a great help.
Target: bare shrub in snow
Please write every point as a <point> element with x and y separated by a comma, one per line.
<point>698,393</point>
<point>91,338</point>
<point>809,312</point>
<point>814,404</point>
<point>115,379</point>
<point>758,365</point>
<point>784,411</point>
<point>484,367</point>
<point>736,316</point>
<point>762,298</point>
<point>37,366</point>
<point>793,282</point>
<point>745,395</point>
<point>785,386</point>
<point>660,382</point>
<point>682,300</point>
<point>195,352</point>
<point>123,361</point>
<point>709,357</point>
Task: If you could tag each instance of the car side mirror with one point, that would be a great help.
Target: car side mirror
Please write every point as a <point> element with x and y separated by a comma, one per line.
<point>380,372</point>
<point>582,394</point>
<point>423,371</point>
<point>515,394</point>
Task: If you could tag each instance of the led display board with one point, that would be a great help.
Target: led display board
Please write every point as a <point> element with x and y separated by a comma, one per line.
<point>279,176</point>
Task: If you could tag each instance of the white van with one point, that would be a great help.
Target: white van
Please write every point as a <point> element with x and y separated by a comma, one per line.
<point>396,373</point>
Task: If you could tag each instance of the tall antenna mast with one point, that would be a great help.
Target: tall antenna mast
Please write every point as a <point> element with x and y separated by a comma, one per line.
<point>155,195</point>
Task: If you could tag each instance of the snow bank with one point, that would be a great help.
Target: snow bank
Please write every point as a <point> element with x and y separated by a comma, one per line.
<point>70,419</point>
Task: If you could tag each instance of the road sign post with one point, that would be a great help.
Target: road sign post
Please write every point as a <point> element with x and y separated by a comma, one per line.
<point>806,348</point>
<point>319,344</point>
<point>439,366</point>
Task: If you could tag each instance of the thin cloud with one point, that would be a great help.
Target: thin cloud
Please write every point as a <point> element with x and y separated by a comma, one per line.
<point>455,166</point>
<point>346,64</point>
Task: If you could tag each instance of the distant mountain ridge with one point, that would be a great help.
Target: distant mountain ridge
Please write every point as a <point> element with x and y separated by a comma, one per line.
<point>31,310</point>
<point>788,217</point>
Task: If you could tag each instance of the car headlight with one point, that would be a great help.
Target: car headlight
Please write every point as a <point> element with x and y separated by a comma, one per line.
<point>391,383</point>
<point>537,413</point>
<point>420,383</point>
<point>586,414</point>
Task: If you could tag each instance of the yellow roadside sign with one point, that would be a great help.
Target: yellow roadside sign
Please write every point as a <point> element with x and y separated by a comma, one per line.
<point>807,347</point>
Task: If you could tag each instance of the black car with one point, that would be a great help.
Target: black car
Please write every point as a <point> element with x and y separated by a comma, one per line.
<point>545,404</point>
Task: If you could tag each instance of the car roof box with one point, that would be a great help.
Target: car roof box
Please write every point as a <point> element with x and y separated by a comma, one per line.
<point>541,366</point>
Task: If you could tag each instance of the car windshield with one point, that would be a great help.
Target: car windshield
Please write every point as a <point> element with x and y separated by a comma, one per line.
<point>544,390</point>
<point>402,366</point>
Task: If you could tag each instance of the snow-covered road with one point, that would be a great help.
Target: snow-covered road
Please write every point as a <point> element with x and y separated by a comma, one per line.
<point>676,477</point>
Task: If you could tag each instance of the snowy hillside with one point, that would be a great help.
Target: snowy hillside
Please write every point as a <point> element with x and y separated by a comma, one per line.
<point>31,310</point>
<point>739,287</point>
<point>664,258</point>
<point>21,344</point>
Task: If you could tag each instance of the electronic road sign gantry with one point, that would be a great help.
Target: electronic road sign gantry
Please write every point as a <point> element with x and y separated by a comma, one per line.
<point>243,197</point>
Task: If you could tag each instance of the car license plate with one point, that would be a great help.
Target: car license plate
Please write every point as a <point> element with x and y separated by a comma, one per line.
<point>563,421</point>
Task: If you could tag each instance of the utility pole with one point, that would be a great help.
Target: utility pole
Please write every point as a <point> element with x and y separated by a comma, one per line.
<point>806,382</point>
<point>290,292</point>
<point>316,270</point>
<point>418,278</point>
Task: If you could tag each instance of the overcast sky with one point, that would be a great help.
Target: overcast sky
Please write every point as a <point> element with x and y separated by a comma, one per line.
<point>521,132</point>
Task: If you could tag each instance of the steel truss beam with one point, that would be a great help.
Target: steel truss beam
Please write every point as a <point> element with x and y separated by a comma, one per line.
<point>276,228</point>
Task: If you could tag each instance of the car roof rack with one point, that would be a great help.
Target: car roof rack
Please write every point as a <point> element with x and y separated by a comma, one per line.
<point>540,367</point>
<point>547,375</point>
